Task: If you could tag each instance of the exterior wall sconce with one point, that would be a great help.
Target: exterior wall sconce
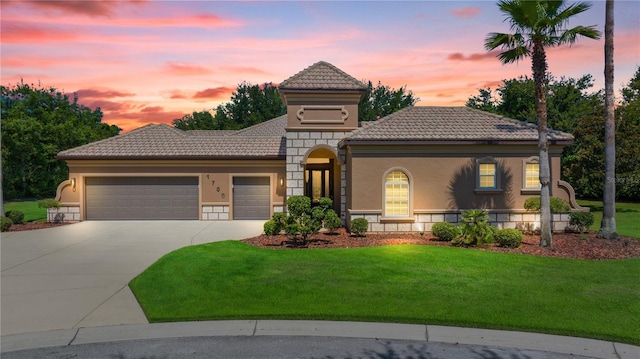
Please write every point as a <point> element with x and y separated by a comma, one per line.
<point>281,182</point>
<point>73,184</point>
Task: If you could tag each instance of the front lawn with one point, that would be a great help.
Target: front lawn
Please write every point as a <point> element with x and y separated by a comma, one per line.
<point>30,209</point>
<point>627,217</point>
<point>405,283</point>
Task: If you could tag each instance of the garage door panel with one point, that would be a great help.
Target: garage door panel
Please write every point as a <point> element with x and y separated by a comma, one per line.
<point>142,198</point>
<point>251,198</point>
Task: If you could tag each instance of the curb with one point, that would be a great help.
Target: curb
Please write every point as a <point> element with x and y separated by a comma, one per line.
<point>425,333</point>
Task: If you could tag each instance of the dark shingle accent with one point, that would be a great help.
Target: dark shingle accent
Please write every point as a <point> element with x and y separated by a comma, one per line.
<point>426,124</point>
<point>322,76</point>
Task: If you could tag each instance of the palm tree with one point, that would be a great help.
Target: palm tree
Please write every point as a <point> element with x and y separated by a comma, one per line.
<point>608,224</point>
<point>537,25</point>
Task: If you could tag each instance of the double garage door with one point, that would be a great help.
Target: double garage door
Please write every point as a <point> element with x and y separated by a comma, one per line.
<point>142,197</point>
<point>120,198</point>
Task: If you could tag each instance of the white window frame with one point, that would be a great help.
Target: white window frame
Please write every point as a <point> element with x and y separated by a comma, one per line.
<point>409,198</point>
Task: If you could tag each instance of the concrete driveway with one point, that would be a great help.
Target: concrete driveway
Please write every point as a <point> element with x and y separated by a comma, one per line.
<point>77,275</point>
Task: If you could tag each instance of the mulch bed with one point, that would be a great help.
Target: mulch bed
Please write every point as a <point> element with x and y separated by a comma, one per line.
<point>27,226</point>
<point>565,245</point>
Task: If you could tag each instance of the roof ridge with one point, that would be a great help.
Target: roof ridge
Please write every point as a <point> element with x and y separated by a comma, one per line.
<point>308,71</point>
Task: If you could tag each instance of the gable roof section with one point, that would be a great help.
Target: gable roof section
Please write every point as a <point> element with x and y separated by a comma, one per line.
<point>322,76</point>
<point>166,142</point>
<point>427,124</point>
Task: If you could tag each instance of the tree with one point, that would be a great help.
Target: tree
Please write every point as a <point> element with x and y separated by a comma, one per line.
<point>202,120</point>
<point>37,123</point>
<point>568,100</point>
<point>382,100</point>
<point>537,25</point>
<point>250,105</point>
<point>608,223</point>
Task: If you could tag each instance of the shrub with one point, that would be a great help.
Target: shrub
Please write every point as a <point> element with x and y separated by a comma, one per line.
<point>475,229</point>
<point>5,223</point>
<point>16,217</point>
<point>49,203</point>
<point>445,231</point>
<point>580,220</point>
<point>332,221</point>
<point>508,237</point>
<point>271,227</point>
<point>359,226</point>
<point>558,205</point>
<point>302,221</point>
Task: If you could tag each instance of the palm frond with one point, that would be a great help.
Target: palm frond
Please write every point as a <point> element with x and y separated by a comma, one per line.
<point>570,36</point>
<point>514,55</point>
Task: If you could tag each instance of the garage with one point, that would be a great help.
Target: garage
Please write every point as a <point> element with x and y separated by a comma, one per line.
<point>141,198</point>
<point>251,198</point>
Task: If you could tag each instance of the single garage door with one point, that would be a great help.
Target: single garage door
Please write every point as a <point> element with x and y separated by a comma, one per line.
<point>251,198</point>
<point>142,198</point>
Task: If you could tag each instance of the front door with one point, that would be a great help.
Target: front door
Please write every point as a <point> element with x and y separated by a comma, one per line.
<point>318,182</point>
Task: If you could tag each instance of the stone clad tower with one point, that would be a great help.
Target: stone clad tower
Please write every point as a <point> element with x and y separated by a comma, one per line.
<point>322,107</point>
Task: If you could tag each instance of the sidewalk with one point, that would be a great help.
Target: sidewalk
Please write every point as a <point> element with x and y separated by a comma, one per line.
<point>260,328</point>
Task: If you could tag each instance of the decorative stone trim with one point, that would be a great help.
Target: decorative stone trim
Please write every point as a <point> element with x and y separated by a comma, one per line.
<point>423,222</point>
<point>215,213</point>
<point>64,214</point>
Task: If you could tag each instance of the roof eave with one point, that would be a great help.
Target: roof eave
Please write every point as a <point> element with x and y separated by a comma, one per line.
<point>357,142</point>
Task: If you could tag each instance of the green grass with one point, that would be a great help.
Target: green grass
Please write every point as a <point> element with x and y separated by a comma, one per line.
<point>627,217</point>
<point>407,284</point>
<point>30,209</point>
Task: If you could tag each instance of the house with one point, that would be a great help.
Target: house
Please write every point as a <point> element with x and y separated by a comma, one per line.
<point>404,172</point>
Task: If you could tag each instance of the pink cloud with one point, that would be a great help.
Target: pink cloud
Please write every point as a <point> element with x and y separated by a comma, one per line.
<point>97,93</point>
<point>22,33</point>
<point>177,94</point>
<point>186,69</point>
<point>478,56</point>
<point>84,7</point>
<point>214,93</point>
<point>466,12</point>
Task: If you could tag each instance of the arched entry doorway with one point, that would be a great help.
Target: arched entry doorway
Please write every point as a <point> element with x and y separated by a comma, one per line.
<point>322,175</point>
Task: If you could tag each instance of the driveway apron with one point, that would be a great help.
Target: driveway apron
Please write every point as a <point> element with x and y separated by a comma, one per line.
<point>77,275</point>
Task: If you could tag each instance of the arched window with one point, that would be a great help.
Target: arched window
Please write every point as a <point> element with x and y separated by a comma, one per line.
<point>396,194</point>
<point>531,173</point>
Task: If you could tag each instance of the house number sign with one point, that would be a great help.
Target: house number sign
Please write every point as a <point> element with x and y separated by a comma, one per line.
<point>213,184</point>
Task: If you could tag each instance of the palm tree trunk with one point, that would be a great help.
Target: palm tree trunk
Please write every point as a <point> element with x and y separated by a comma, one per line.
<point>608,224</point>
<point>539,67</point>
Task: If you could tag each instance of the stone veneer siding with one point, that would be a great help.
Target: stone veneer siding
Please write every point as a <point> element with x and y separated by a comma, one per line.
<point>298,144</point>
<point>215,213</point>
<point>64,214</point>
<point>424,221</point>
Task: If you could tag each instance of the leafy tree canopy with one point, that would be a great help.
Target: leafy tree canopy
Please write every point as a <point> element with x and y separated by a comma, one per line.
<point>37,123</point>
<point>252,104</point>
<point>568,100</point>
<point>382,100</point>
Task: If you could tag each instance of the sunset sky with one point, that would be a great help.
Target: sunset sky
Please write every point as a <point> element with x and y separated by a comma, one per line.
<point>153,61</point>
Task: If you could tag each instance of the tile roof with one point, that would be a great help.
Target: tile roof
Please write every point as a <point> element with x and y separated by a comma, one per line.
<point>274,127</point>
<point>322,76</point>
<point>443,124</point>
<point>166,142</point>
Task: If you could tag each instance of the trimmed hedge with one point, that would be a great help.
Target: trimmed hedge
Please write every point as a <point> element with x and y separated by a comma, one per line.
<point>5,223</point>
<point>558,205</point>
<point>508,237</point>
<point>16,217</point>
<point>359,226</point>
<point>445,231</point>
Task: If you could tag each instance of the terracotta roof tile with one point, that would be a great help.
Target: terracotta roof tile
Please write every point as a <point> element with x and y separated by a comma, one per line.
<point>322,76</point>
<point>449,124</point>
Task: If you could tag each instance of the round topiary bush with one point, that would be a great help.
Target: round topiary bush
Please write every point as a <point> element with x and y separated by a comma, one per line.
<point>5,223</point>
<point>508,237</point>
<point>332,221</point>
<point>271,228</point>
<point>359,226</point>
<point>580,220</point>
<point>445,231</point>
